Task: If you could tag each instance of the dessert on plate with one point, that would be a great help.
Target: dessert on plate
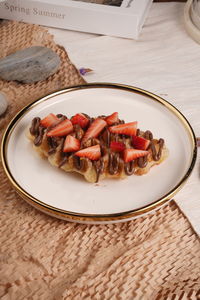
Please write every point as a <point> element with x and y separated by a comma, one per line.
<point>97,148</point>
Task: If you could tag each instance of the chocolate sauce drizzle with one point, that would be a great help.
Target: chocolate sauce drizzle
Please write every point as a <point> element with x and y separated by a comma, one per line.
<point>129,168</point>
<point>37,131</point>
<point>80,164</point>
<point>64,158</point>
<point>99,167</point>
<point>115,162</point>
<point>35,126</point>
<point>156,155</point>
<point>53,144</point>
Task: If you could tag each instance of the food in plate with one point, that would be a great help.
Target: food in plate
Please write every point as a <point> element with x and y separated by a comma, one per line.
<point>98,148</point>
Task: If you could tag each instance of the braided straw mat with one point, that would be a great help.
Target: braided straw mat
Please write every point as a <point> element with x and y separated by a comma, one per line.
<point>152,257</point>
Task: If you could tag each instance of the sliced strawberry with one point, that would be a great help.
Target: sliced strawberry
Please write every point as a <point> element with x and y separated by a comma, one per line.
<point>71,144</point>
<point>49,120</point>
<point>139,142</point>
<point>112,118</point>
<point>93,152</point>
<point>117,146</point>
<point>94,129</point>
<point>80,119</point>
<point>63,128</point>
<point>131,154</point>
<point>126,128</point>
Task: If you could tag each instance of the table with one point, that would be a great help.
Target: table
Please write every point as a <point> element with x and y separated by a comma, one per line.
<point>165,60</point>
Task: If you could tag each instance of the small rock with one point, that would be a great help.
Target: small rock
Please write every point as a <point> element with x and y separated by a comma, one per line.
<point>29,65</point>
<point>3,104</point>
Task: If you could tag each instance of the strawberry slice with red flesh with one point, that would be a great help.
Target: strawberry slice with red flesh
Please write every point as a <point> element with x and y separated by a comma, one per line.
<point>112,118</point>
<point>139,142</point>
<point>49,120</point>
<point>80,119</point>
<point>117,146</point>
<point>71,144</point>
<point>63,128</point>
<point>93,152</point>
<point>132,154</point>
<point>94,129</point>
<point>126,128</point>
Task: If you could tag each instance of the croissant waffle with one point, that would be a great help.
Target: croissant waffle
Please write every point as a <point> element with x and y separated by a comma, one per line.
<point>95,150</point>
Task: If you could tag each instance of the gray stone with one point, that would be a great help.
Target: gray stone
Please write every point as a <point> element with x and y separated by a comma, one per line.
<point>29,65</point>
<point>3,104</point>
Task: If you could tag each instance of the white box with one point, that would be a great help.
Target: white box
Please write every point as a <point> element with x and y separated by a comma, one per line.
<point>123,21</point>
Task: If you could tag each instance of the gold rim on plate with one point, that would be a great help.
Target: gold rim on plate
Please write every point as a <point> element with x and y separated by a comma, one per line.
<point>97,218</point>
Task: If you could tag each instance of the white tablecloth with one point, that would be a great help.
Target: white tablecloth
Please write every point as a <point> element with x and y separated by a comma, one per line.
<point>165,60</point>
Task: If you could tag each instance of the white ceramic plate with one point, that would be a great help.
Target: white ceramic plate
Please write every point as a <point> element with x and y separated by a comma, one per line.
<point>69,196</point>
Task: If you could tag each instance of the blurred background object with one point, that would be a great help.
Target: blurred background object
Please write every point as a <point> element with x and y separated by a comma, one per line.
<point>169,1</point>
<point>105,2</point>
<point>192,19</point>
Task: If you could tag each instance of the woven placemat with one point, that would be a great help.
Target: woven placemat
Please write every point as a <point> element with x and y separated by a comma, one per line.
<point>152,257</point>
